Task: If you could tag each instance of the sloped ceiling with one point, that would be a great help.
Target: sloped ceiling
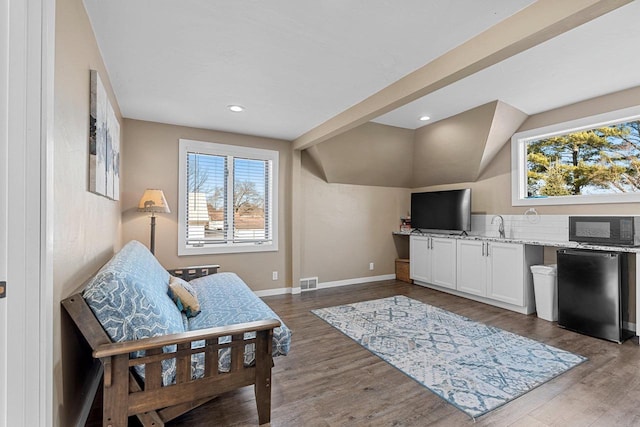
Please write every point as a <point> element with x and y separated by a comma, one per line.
<point>457,149</point>
<point>506,121</point>
<point>371,154</point>
<point>536,26</point>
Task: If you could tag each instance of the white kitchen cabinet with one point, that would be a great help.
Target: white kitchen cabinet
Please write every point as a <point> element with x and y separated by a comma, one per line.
<point>420,258</point>
<point>498,271</point>
<point>507,272</point>
<point>472,267</point>
<point>433,260</point>
<point>489,271</point>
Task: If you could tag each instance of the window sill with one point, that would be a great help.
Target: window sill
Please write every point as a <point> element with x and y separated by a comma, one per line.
<point>228,249</point>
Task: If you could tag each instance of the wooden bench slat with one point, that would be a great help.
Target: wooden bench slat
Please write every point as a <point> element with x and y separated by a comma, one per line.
<point>113,349</point>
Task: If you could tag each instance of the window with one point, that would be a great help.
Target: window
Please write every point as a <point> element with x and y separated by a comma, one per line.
<point>591,160</point>
<point>228,199</point>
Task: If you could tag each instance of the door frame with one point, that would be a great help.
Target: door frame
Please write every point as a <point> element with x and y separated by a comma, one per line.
<point>27,50</point>
<point>4,138</point>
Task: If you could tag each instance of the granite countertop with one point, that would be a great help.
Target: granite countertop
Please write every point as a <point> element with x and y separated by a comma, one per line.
<point>529,241</point>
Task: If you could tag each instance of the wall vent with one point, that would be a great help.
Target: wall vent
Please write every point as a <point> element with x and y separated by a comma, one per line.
<point>308,284</point>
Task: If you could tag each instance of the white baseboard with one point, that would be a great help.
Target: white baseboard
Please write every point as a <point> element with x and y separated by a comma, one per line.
<point>297,290</point>
<point>356,281</point>
<point>277,291</point>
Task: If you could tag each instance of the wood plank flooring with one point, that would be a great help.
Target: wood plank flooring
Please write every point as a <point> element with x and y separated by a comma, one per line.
<point>329,380</point>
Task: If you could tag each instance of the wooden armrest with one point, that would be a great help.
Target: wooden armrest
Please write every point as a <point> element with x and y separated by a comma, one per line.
<point>193,272</point>
<point>113,349</point>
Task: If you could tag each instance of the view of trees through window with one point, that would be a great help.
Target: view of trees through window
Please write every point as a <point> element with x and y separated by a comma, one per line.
<point>209,216</point>
<point>603,160</point>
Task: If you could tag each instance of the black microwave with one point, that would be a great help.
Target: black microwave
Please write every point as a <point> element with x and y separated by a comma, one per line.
<point>605,230</point>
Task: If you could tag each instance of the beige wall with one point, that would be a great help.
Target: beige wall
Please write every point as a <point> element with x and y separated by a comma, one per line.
<point>371,154</point>
<point>345,227</point>
<point>150,160</point>
<point>451,150</point>
<point>342,228</point>
<point>602,104</point>
<point>491,193</point>
<point>86,226</point>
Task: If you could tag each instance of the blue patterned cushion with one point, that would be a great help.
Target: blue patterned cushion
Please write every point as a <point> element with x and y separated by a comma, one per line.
<point>226,300</point>
<point>129,298</point>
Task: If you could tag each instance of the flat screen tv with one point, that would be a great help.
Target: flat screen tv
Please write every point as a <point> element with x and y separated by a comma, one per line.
<point>448,210</point>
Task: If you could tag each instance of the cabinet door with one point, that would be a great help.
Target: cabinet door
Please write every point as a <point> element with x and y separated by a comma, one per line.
<point>472,267</point>
<point>506,282</point>
<point>443,262</point>
<point>420,256</point>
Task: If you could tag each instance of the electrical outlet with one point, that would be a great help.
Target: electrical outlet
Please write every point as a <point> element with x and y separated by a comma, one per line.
<point>274,275</point>
<point>371,266</point>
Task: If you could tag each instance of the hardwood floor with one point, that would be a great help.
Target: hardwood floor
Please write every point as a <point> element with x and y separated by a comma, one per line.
<point>329,380</point>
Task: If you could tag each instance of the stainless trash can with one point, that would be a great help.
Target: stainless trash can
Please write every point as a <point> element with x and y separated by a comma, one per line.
<point>545,288</point>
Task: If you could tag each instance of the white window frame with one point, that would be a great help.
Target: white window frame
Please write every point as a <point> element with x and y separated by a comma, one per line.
<point>519,160</point>
<point>213,148</point>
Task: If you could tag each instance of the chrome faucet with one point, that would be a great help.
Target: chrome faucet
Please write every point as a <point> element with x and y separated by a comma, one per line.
<point>500,224</point>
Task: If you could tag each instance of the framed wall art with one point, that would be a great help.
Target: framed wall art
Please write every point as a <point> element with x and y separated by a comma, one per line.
<point>104,143</point>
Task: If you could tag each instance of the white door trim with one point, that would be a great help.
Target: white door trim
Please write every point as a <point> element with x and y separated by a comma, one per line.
<point>26,78</point>
<point>4,138</point>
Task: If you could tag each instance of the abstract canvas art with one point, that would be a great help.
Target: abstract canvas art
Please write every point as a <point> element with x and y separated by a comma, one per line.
<point>104,143</point>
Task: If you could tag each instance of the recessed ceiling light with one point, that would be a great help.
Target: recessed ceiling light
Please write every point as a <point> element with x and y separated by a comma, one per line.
<point>235,108</point>
<point>424,118</point>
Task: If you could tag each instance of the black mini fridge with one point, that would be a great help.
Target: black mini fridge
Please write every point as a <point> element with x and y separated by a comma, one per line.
<point>593,293</point>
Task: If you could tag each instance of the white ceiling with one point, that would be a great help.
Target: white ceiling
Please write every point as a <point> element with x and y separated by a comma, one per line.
<point>295,64</point>
<point>596,58</point>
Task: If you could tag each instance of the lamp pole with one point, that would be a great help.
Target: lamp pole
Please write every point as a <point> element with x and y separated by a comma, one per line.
<point>153,201</point>
<point>153,233</point>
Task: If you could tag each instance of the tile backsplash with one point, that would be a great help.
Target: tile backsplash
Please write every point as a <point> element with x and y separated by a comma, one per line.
<point>553,228</point>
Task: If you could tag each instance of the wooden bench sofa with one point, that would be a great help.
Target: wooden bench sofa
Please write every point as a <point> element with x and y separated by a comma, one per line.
<point>155,362</point>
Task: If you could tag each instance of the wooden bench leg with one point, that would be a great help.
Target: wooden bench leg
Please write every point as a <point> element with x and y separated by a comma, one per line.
<point>263,399</point>
<point>116,391</point>
<point>263,376</point>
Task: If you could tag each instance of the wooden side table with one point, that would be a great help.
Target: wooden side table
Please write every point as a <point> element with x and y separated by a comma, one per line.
<point>189,273</point>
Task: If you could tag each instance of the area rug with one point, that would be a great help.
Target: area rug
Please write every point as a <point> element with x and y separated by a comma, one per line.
<point>473,366</point>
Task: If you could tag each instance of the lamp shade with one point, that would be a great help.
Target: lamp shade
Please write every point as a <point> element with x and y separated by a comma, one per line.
<point>153,201</point>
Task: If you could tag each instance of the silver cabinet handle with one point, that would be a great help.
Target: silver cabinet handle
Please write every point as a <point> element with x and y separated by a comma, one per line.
<point>487,248</point>
<point>482,248</point>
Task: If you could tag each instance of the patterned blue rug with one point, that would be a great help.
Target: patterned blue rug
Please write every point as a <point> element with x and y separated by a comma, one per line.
<point>474,367</point>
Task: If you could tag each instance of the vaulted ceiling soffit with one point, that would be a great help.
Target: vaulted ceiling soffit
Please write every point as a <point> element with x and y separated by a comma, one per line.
<point>461,147</point>
<point>457,149</point>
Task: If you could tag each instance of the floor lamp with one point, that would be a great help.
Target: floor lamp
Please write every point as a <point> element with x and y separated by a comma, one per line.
<point>153,201</point>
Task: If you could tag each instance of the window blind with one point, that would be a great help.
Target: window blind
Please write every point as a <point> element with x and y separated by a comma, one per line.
<point>206,212</point>
<point>228,200</point>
